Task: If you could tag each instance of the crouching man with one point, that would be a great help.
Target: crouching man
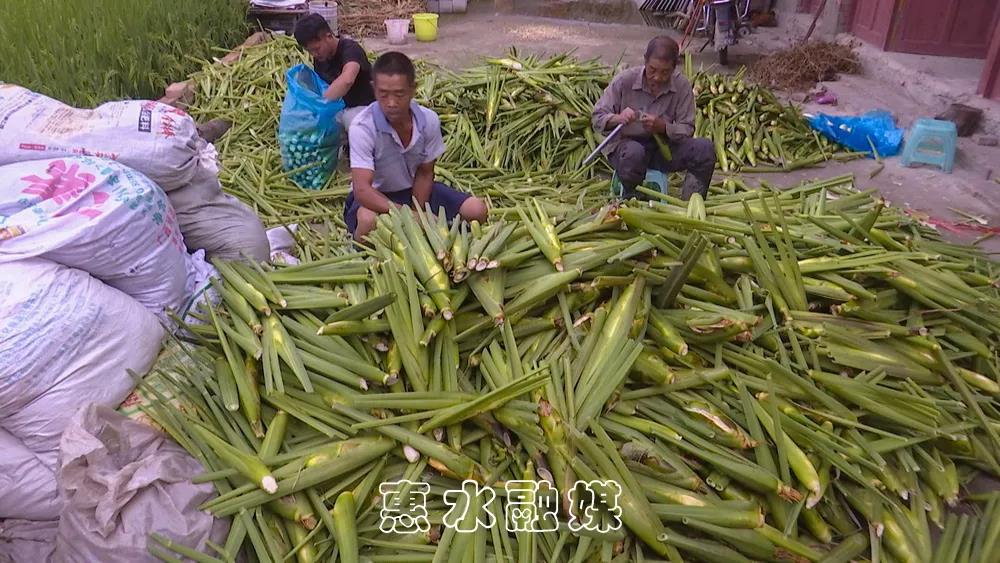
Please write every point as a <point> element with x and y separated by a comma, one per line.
<point>394,145</point>
<point>655,98</point>
<point>341,62</point>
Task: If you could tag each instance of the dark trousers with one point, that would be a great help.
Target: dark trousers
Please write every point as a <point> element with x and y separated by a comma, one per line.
<point>632,157</point>
<point>442,197</point>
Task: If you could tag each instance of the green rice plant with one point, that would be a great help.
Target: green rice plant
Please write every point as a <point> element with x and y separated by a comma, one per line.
<point>88,53</point>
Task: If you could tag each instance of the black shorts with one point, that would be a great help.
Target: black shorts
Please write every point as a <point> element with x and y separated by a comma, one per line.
<point>442,196</point>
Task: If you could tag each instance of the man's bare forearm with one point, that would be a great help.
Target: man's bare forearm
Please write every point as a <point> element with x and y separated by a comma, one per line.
<point>337,89</point>
<point>423,182</point>
<point>374,200</point>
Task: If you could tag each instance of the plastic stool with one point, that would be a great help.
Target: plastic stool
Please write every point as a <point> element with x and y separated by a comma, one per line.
<point>938,136</point>
<point>654,180</point>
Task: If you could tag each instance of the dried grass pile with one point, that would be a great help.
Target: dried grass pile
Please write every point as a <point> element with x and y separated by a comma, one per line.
<point>802,66</point>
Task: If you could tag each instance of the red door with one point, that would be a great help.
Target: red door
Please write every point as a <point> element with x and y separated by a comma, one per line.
<point>989,86</point>
<point>873,20</point>
<point>954,28</point>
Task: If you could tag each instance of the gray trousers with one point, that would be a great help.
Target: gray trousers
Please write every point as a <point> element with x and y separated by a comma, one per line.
<point>632,157</point>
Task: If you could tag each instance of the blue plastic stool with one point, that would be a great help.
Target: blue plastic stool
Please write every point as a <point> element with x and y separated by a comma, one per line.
<point>654,180</point>
<point>931,141</point>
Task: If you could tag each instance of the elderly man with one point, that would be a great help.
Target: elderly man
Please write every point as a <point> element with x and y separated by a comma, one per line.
<point>654,99</point>
<point>395,144</point>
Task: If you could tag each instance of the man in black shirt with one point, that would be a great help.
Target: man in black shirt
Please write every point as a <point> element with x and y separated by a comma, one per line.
<point>343,63</point>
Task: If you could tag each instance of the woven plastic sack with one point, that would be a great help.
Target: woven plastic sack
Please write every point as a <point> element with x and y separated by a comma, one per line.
<point>100,217</point>
<point>66,340</point>
<point>216,222</point>
<point>121,481</point>
<point>158,140</point>
<point>308,133</point>
<point>862,132</point>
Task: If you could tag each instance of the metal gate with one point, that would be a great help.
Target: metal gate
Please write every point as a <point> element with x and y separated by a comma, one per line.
<point>665,6</point>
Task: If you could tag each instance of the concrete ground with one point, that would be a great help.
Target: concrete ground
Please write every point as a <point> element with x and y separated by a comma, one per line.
<point>463,39</point>
<point>909,86</point>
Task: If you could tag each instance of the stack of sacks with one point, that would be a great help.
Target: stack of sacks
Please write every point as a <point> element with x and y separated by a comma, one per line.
<point>158,140</point>
<point>91,264</point>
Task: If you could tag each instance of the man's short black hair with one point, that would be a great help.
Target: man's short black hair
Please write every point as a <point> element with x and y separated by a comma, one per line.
<point>663,48</point>
<point>395,62</point>
<point>310,28</point>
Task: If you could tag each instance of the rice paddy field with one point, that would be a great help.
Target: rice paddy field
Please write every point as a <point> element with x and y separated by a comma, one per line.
<point>86,53</point>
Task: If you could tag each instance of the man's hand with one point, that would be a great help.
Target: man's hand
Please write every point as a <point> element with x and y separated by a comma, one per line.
<point>652,123</point>
<point>401,207</point>
<point>423,183</point>
<point>627,115</point>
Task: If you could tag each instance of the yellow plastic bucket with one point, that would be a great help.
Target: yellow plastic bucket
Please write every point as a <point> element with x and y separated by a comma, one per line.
<point>425,26</point>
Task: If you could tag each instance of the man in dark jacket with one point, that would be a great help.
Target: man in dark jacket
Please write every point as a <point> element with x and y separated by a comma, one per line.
<point>654,99</point>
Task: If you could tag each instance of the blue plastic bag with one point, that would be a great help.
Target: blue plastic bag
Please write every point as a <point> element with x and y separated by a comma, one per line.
<point>308,133</point>
<point>855,131</point>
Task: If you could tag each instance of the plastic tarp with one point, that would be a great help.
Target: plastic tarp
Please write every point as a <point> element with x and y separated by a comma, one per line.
<point>862,132</point>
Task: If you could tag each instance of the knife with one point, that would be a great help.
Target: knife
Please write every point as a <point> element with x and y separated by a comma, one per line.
<point>604,143</point>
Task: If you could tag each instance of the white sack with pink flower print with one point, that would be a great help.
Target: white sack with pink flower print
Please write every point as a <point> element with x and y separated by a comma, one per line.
<point>101,217</point>
<point>91,264</point>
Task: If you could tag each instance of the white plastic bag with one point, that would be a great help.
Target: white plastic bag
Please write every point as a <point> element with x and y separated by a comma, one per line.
<point>160,141</point>
<point>282,242</point>
<point>27,541</point>
<point>122,481</point>
<point>66,340</point>
<point>100,217</point>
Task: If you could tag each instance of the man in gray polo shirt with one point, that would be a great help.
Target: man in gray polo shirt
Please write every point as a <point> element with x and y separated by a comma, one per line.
<point>394,145</point>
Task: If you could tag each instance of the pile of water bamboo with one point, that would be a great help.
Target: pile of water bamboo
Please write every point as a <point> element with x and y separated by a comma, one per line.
<point>804,374</point>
